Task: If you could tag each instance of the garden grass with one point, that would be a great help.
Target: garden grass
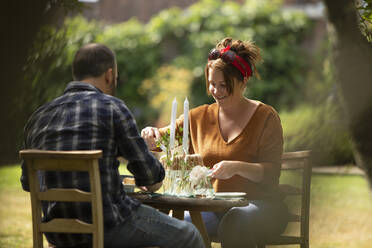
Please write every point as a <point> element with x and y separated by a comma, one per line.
<point>340,213</point>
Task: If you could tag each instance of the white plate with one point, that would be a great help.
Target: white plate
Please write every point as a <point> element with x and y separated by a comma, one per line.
<point>229,194</point>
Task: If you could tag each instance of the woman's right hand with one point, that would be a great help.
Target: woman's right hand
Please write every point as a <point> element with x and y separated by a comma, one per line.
<point>150,135</point>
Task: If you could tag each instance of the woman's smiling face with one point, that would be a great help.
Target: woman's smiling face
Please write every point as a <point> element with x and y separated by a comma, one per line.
<point>218,88</point>
<point>217,85</point>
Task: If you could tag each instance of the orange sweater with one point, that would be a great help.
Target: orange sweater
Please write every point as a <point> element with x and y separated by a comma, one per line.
<point>259,142</point>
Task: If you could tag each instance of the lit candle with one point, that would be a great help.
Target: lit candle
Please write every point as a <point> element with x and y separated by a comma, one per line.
<point>185,138</point>
<point>173,125</point>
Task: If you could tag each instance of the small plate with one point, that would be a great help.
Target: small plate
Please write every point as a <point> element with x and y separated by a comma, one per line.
<point>229,194</point>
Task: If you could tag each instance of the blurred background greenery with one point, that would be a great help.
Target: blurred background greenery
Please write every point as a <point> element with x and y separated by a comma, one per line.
<point>165,57</point>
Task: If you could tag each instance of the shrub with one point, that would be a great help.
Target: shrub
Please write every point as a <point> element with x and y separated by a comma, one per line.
<point>181,38</point>
<point>169,82</point>
<point>320,129</point>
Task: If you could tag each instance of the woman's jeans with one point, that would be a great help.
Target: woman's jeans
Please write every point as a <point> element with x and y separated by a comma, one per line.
<point>149,227</point>
<point>247,226</point>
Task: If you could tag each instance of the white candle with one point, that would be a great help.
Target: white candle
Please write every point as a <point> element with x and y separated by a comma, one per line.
<point>173,125</point>
<point>185,138</point>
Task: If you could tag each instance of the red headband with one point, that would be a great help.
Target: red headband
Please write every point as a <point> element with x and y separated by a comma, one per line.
<point>231,57</point>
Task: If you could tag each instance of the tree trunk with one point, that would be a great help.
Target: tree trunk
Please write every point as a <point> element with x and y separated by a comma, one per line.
<point>353,60</point>
<point>20,23</point>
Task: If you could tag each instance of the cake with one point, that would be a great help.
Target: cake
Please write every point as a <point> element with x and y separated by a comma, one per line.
<point>179,161</point>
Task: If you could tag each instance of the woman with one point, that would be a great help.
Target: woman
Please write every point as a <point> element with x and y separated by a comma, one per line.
<point>241,139</point>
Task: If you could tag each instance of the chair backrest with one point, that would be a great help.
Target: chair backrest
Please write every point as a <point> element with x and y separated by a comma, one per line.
<point>299,161</point>
<point>38,160</point>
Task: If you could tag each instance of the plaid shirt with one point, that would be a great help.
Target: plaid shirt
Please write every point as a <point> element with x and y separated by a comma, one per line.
<point>84,118</point>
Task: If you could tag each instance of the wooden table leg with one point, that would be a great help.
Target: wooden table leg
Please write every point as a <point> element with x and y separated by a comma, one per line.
<point>179,214</point>
<point>198,222</point>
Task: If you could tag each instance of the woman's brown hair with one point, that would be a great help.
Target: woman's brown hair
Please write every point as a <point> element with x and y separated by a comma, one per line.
<point>247,50</point>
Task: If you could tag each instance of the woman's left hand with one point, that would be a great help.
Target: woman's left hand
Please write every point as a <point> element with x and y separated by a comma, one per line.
<point>224,170</point>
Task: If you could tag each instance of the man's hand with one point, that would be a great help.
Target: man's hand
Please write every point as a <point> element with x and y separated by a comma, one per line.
<point>151,188</point>
<point>150,135</point>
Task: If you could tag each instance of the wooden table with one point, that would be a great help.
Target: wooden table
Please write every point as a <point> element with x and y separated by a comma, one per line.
<point>194,205</point>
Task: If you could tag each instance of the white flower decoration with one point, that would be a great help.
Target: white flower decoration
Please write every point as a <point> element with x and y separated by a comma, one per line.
<point>198,174</point>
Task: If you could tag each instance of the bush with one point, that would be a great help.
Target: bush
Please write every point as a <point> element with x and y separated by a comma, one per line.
<point>181,38</point>
<point>138,57</point>
<point>193,32</point>
<point>175,83</point>
<point>320,129</point>
<point>48,68</point>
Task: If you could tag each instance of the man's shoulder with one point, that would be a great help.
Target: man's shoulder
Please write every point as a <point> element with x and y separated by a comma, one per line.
<point>81,91</point>
<point>85,100</point>
<point>110,99</point>
<point>41,109</point>
<point>117,103</point>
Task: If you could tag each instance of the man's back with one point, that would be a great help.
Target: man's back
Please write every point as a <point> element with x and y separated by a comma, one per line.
<point>86,119</point>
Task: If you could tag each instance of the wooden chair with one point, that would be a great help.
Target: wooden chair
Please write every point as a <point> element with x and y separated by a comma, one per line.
<point>65,161</point>
<point>296,161</point>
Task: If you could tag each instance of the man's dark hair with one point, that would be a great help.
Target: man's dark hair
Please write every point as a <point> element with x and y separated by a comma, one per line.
<point>92,60</point>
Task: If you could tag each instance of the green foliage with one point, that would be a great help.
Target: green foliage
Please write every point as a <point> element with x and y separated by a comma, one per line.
<point>365,12</point>
<point>180,38</point>
<point>319,129</point>
<point>206,22</point>
<point>164,144</point>
<point>137,58</point>
<point>67,5</point>
<point>168,82</point>
<point>49,65</point>
<point>320,82</point>
<point>165,139</point>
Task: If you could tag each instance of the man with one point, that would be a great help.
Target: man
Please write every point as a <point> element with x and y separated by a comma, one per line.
<point>88,117</point>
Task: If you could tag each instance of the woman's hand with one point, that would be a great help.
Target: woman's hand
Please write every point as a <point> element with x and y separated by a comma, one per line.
<point>150,135</point>
<point>227,169</point>
<point>224,170</point>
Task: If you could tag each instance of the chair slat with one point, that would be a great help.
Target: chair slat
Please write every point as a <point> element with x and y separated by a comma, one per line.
<point>294,218</point>
<point>296,155</point>
<point>61,165</point>
<point>287,190</point>
<point>66,226</point>
<point>91,154</point>
<point>292,165</point>
<point>65,195</point>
